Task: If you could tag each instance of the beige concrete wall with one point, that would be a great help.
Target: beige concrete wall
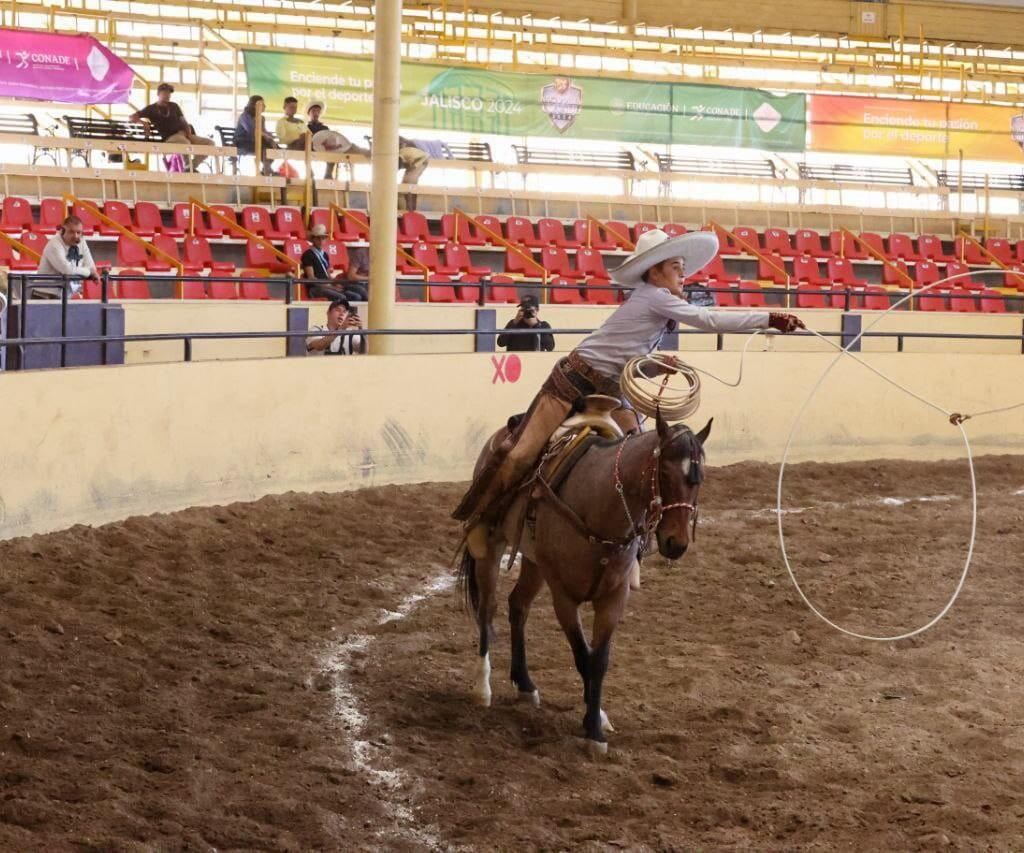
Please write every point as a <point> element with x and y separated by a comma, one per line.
<point>108,443</point>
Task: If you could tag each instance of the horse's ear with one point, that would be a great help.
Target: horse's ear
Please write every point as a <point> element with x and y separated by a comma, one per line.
<point>702,436</point>
<point>662,424</point>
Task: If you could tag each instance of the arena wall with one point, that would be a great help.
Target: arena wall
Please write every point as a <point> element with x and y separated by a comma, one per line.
<point>93,445</point>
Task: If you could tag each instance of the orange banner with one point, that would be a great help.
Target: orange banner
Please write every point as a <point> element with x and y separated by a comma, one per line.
<point>927,129</point>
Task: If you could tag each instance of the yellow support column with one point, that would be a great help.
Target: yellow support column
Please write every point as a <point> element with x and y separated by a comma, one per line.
<point>384,187</point>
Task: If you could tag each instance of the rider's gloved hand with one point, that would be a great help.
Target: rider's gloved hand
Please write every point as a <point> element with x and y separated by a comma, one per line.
<point>785,323</point>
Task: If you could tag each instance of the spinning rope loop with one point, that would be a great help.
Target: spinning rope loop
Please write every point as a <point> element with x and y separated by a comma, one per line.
<point>636,389</point>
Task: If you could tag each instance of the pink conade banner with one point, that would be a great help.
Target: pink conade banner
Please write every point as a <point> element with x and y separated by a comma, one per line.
<point>52,67</point>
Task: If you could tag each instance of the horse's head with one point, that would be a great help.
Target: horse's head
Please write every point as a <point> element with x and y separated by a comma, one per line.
<point>680,471</point>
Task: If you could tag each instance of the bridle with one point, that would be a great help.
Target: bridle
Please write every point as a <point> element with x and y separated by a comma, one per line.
<point>656,508</point>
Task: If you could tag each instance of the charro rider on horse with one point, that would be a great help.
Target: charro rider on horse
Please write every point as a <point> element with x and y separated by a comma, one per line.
<point>656,269</point>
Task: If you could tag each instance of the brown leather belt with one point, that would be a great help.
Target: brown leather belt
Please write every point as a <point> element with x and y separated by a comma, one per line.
<point>602,384</point>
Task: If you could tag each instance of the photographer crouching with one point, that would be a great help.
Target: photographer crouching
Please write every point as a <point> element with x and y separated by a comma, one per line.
<point>526,318</point>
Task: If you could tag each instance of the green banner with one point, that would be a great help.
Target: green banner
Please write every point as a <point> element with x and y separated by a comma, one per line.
<point>473,100</point>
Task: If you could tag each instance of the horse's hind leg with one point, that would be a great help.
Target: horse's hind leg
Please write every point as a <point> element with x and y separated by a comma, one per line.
<point>607,613</point>
<point>519,601</point>
<point>486,573</point>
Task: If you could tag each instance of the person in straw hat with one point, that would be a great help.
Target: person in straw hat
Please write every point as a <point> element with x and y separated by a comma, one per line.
<point>656,271</point>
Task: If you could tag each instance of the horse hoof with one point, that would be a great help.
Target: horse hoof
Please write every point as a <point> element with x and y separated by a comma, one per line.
<point>597,749</point>
<point>484,699</point>
<point>533,697</point>
<point>606,726</point>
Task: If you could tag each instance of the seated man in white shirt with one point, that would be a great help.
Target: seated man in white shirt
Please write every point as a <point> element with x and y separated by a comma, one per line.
<point>67,254</point>
<point>656,270</point>
<point>340,316</point>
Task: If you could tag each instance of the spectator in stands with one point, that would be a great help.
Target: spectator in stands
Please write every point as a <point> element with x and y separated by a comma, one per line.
<point>414,160</point>
<point>316,269</point>
<point>67,254</point>
<point>169,121</point>
<point>526,318</point>
<point>340,315</point>
<point>325,139</point>
<point>291,131</point>
<point>249,126</point>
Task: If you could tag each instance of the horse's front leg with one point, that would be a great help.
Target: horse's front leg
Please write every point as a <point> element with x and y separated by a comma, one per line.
<point>525,591</point>
<point>568,613</point>
<point>608,611</point>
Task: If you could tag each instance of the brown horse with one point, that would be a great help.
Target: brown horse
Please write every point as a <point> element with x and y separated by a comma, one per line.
<point>583,543</point>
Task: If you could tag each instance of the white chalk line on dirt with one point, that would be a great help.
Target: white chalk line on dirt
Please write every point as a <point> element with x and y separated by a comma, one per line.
<point>336,662</point>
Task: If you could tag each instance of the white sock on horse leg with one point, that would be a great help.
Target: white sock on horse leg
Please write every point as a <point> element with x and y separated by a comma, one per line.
<point>483,680</point>
<point>606,725</point>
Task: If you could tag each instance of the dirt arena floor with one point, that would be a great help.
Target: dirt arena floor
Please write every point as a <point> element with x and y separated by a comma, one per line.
<point>294,674</point>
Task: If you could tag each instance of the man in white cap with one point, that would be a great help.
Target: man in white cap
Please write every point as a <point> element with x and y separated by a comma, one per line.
<point>656,269</point>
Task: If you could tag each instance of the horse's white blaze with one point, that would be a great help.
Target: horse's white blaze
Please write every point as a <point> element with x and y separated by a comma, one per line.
<point>483,680</point>
<point>606,725</point>
<point>686,465</point>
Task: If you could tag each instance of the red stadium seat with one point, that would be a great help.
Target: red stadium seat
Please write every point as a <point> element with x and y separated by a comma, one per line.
<point>751,295</point>
<point>406,268</point>
<point>967,251</point>
<point>727,297</point>
<point>808,242</point>
<point>588,233</point>
<point>193,289</point>
<point>337,254</point>
<point>169,246</point>
<point>806,270</point>
<point>182,215</point>
<point>120,213</point>
<point>876,298</point>
<point>776,240</point>
<point>86,211</point>
<point>962,301</point>
<point>809,296</point>
<point>133,254</point>
<point>598,291</point>
<point>840,271</point>
<point>35,242</point>
<point>466,235</point>
<point>503,289</point>
<point>1014,279</point>
<point>643,228</point>
<point>493,225</point>
<point>934,300</point>
<point>149,218</point>
<point>1001,248</point>
<point>551,232</point>
<point>132,288</point>
<point>413,227</point>
<point>618,233</point>
<point>252,289</point>
<point>714,271</point>
<point>440,289</point>
<point>258,221</point>
<point>902,247</point>
<point>468,289</point>
<point>674,229</point>
<point>518,264</point>
<point>456,255</point>
<point>223,290</point>
<point>355,226</point>
<point>929,246</point>
<point>261,256</point>
<point>197,254</point>
<point>926,273</point>
<point>51,214</point>
<point>556,262</point>
<point>519,230</point>
<point>9,259</point>
<point>843,246</point>
<point>590,263</point>
<point>744,239</point>
<point>294,248</point>
<point>565,292</point>
<point>216,227</point>
<point>891,274</point>
<point>968,283</point>
<point>426,254</point>
<point>288,221</point>
<point>876,243</point>
<point>772,268</point>
<point>843,297</point>
<point>327,218</point>
<point>992,302</point>
<point>16,216</point>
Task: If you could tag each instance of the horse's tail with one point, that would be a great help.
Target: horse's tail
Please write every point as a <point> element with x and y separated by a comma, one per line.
<point>468,589</point>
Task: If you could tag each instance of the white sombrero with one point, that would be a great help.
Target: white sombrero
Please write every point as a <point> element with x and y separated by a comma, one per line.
<point>697,250</point>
